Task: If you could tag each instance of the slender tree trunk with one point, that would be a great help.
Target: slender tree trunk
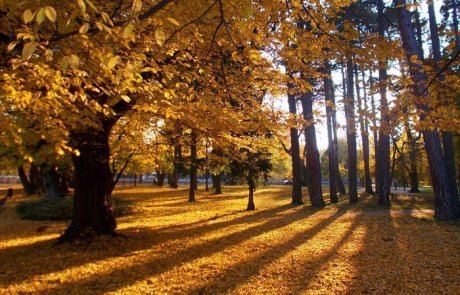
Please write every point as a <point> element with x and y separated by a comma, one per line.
<point>217,183</point>
<point>135,179</point>
<point>384,138</point>
<point>351,136</point>
<point>447,205</point>
<point>312,153</point>
<point>251,185</point>
<point>193,168</point>
<point>161,179</point>
<point>375,135</point>
<point>329,96</point>
<point>92,208</point>
<point>455,25</point>
<point>207,168</point>
<point>295,155</point>
<point>29,189</point>
<point>364,134</point>
<point>418,26</point>
<point>447,141</point>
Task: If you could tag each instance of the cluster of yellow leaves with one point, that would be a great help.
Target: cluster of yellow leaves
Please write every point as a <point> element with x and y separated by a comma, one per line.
<point>213,246</point>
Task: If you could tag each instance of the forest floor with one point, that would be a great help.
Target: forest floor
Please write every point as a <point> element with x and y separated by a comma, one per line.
<point>215,247</point>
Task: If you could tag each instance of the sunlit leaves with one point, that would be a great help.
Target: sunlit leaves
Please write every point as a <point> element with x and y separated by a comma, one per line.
<point>28,50</point>
<point>28,16</point>
<point>84,28</point>
<point>50,13</point>
<point>160,36</point>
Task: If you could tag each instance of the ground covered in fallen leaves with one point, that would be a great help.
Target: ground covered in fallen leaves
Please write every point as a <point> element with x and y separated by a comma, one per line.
<point>215,247</point>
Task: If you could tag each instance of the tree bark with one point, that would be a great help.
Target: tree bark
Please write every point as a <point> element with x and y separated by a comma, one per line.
<point>413,175</point>
<point>312,153</point>
<point>193,168</point>
<point>176,166</point>
<point>447,142</point>
<point>92,208</point>
<point>446,201</point>
<point>383,156</point>
<point>51,183</point>
<point>418,26</point>
<point>217,183</point>
<point>331,149</point>
<point>29,188</point>
<point>351,136</point>
<point>251,184</point>
<point>295,155</point>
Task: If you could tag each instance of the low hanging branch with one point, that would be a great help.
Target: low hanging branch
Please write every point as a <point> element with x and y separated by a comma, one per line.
<point>114,182</point>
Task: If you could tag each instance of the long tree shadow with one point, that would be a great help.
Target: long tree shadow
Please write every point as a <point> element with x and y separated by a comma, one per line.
<point>151,267</point>
<point>142,238</point>
<point>242,272</point>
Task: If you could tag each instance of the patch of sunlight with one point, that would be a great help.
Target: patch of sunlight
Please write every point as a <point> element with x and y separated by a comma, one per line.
<point>25,241</point>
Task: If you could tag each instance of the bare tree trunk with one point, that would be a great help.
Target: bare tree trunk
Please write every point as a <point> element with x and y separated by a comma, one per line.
<point>413,175</point>
<point>446,201</point>
<point>383,171</point>
<point>447,142</point>
<point>351,135</point>
<point>251,184</point>
<point>176,166</point>
<point>29,188</point>
<point>329,97</point>
<point>295,155</point>
<point>418,26</point>
<point>312,153</point>
<point>193,168</point>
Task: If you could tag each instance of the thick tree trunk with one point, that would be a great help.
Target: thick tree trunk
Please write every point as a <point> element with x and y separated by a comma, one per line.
<point>351,136</point>
<point>29,189</point>
<point>364,132</point>
<point>161,179</point>
<point>313,162</point>
<point>295,156</point>
<point>447,205</point>
<point>383,171</point>
<point>447,142</point>
<point>330,103</point>
<point>418,26</point>
<point>92,208</point>
<point>217,183</point>
<point>193,168</point>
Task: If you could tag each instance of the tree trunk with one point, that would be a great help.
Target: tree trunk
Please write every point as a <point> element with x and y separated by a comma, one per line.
<point>383,156</point>
<point>330,103</point>
<point>351,136</point>
<point>251,185</point>
<point>376,138</point>
<point>446,201</point>
<point>193,168</point>
<point>135,179</point>
<point>51,183</point>
<point>447,142</point>
<point>312,153</point>
<point>92,208</point>
<point>295,155</point>
<point>364,132</point>
<point>29,189</point>
<point>418,26</point>
<point>217,183</point>
<point>140,178</point>
<point>161,179</point>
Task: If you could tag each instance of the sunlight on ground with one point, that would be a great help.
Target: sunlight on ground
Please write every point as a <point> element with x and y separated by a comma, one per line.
<point>215,246</point>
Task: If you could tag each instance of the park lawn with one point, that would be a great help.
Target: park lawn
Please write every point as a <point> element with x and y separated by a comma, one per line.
<point>215,246</point>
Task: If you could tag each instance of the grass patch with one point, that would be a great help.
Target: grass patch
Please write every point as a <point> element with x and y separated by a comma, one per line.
<point>60,209</point>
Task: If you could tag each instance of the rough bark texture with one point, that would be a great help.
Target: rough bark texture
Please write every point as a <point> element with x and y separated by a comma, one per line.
<point>351,136</point>
<point>295,156</point>
<point>329,97</point>
<point>446,201</point>
<point>193,168</point>
<point>383,156</point>
<point>51,183</point>
<point>92,209</point>
<point>364,132</point>
<point>312,153</point>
